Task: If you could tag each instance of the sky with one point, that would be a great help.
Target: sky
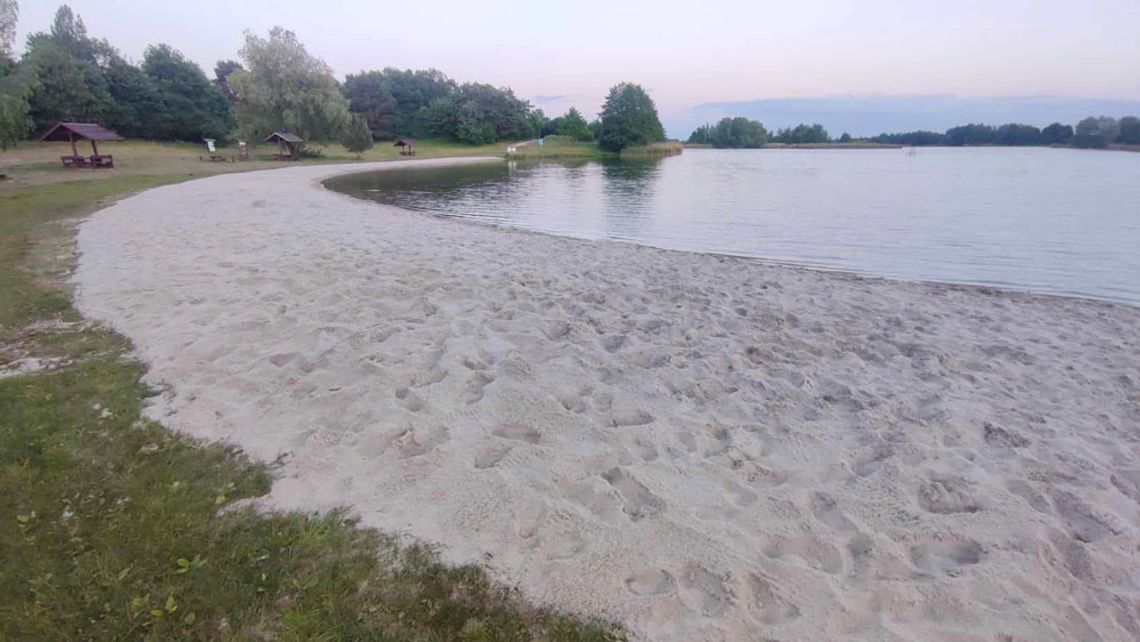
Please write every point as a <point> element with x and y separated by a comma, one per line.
<point>687,54</point>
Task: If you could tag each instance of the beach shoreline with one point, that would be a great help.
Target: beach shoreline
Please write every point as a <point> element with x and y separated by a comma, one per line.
<point>700,446</point>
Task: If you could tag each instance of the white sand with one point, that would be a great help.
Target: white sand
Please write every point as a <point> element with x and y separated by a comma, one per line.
<point>702,447</point>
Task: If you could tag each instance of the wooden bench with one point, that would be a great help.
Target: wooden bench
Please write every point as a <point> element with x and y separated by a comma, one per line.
<point>105,161</point>
<point>74,161</point>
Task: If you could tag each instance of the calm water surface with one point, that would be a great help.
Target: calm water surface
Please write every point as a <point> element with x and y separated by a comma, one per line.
<point>1054,221</point>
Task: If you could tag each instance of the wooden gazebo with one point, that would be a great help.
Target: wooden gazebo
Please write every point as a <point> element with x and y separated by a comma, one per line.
<point>288,143</point>
<point>407,146</point>
<point>72,132</point>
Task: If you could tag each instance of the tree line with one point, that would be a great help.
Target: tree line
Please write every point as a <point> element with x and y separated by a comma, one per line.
<point>277,85</point>
<point>743,133</point>
<point>1092,132</point>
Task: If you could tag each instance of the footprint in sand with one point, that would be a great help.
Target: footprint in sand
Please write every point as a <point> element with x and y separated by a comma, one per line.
<point>418,441</point>
<point>489,455</point>
<point>650,583</point>
<point>473,389</point>
<point>518,432</point>
<point>613,343</point>
<point>773,608</point>
<point>827,511</point>
<point>1002,437</point>
<point>817,553</point>
<point>946,555</point>
<point>946,496</point>
<point>409,399</point>
<point>703,591</point>
<point>630,417</point>
<point>638,500</point>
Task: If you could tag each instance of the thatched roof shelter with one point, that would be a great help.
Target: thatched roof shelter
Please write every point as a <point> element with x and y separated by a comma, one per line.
<point>406,145</point>
<point>288,142</point>
<point>72,132</point>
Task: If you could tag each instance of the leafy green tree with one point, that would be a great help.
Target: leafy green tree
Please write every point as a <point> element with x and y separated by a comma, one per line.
<point>972,134</point>
<point>1014,134</point>
<point>284,88</point>
<point>357,136</point>
<point>845,138</point>
<point>1129,131</point>
<point>1056,134</point>
<point>369,94</point>
<point>572,124</point>
<point>136,103</point>
<point>15,88</point>
<point>536,118</point>
<point>738,133</point>
<point>917,138</point>
<point>628,118</point>
<point>191,106</point>
<point>66,87</point>
<point>803,134</point>
<point>222,72</point>
<point>413,90</point>
<point>1096,132</point>
<point>474,132</point>
<point>9,16</point>
<point>701,135</point>
<point>439,119</point>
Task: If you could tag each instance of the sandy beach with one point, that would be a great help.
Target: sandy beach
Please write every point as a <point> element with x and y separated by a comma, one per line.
<point>700,447</point>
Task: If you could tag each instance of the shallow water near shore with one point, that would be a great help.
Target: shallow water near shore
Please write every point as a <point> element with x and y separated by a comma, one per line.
<point>1052,221</point>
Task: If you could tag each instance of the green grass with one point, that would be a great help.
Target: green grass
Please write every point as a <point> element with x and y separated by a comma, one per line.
<point>114,528</point>
<point>563,147</point>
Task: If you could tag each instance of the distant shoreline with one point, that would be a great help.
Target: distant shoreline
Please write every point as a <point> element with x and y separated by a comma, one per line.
<point>1110,148</point>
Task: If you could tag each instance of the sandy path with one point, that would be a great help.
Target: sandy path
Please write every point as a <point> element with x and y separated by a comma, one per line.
<point>706,448</point>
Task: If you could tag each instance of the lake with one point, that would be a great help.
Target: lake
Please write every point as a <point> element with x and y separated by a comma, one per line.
<point>1044,220</point>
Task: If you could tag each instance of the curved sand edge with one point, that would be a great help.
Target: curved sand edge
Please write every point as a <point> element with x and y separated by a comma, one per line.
<point>703,447</point>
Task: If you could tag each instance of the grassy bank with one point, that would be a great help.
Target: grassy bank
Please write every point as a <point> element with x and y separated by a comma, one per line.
<point>564,147</point>
<point>112,527</point>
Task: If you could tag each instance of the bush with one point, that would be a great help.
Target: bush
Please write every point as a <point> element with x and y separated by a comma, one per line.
<point>357,136</point>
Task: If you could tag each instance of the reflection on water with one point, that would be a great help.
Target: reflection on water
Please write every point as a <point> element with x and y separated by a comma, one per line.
<point>1056,221</point>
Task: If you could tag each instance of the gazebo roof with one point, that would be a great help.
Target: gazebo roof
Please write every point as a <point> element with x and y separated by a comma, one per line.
<point>84,131</point>
<point>405,142</point>
<point>287,137</point>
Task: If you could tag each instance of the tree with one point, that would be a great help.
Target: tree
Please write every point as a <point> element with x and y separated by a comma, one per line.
<point>191,106</point>
<point>369,94</point>
<point>972,134</point>
<point>1129,131</point>
<point>572,124</point>
<point>1056,134</point>
<point>803,134</point>
<point>1096,132</point>
<point>1015,134</point>
<point>135,101</point>
<point>628,118</point>
<point>920,137</point>
<point>357,136</point>
<point>738,133</point>
<point>66,87</point>
<point>9,16</point>
<point>222,72</point>
<point>845,138</point>
<point>701,135</point>
<point>284,88</point>
<point>15,87</point>
<point>413,90</point>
